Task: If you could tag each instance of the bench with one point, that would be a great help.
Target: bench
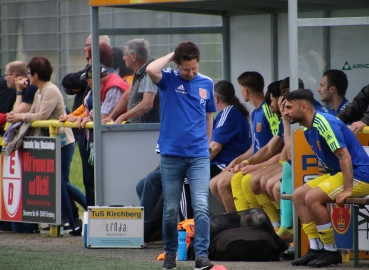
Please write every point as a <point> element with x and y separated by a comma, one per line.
<point>357,203</point>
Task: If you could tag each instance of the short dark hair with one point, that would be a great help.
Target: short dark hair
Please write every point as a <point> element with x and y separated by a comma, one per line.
<point>40,65</point>
<point>274,89</point>
<point>338,79</point>
<point>267,98</point>
<point>301,94</point>
<point>119,64</point>
<point>285,85</point>
<point>252,80</point>
<point>186,51</point>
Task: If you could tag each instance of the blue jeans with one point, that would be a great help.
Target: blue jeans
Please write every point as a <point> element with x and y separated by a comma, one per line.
<point>88,173</point>
<point>173,172</point>
<point>149,190</point>
<point>66,159</point>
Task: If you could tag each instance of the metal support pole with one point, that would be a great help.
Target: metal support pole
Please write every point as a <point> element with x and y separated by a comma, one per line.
<point>293,43</point>
<point>96,105</point>
<point>293,61</point>
<point>226,48</point>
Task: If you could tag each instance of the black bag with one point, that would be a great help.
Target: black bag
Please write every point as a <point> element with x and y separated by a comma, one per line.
<point>244,238</point>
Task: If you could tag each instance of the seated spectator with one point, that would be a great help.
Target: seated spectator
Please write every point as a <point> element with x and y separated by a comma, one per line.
<point>342,155</point>
<point>49,104</point>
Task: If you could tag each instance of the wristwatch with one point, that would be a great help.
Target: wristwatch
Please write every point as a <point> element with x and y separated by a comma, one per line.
<point>19,93</point>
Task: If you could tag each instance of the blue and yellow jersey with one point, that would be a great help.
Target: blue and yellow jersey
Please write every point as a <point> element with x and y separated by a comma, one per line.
<point>328,134</point>
<point>264,126</point>
<point>272,119</point>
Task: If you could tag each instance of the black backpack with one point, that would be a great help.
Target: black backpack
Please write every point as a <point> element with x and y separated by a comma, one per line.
<point>240,239</point>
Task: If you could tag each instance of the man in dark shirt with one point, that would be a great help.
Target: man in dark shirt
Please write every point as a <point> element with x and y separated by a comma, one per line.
<point>7,97</point>
<point>15,77</point>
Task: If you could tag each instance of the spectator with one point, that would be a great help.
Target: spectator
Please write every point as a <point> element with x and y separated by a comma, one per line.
<point>120,67</point>
<point>15,77</point>
<point>72,85</point>
<point>7,97</point>
<point>111,88</point>
<point>184,145</point>
<point>342,155</point>
<point>142,101</point>
<point>357,112</point>
<point>49,104</point>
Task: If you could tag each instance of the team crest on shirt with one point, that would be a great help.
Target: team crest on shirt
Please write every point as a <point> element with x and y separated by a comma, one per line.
<point>318,145</point>
<point>203,93</point>
<point>258,127</point>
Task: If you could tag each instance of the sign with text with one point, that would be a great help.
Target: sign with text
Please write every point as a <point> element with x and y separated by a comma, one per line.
<point>118,227</point>
<point>31,182</point>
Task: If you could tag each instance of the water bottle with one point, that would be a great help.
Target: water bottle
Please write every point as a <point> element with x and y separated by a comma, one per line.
<point>182,245</point>
<point>62,136</point>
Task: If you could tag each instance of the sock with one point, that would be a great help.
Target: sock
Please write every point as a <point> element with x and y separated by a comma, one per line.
<point>326,234</point>
<point>276,204</point>
<point>286,206</point>
<point>268,207</point>
<point>239,198</point>
<point>315,243</point>
<point>313,235</point>
<point>247,192</point>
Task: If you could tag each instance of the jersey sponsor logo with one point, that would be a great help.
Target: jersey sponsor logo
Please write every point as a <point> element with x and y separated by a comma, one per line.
<point>203,93</point>
<point>259,127</point>
<point>318,145</point>
<point>180,89</point>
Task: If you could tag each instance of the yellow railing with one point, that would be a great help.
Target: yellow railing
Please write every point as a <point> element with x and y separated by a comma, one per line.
<point>53,125</point>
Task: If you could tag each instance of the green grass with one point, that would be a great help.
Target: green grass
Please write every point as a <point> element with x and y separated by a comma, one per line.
<point>14,259</point>
<point>75,176</point>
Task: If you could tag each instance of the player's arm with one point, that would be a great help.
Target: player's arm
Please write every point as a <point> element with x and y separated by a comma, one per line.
<point>154,68</point>
<point>241,158</point>
<point>215,149</point>
<point>273,147</point>
<point>344,158</point>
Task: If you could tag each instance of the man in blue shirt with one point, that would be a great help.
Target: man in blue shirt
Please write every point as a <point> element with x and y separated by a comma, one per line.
<point>347,164</point>
<point>187,104</point>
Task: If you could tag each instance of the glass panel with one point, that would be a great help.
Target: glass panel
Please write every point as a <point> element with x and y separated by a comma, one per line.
<point>344,48</point>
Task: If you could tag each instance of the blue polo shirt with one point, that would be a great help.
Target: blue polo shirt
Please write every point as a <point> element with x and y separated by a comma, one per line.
<point>184,104</point>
